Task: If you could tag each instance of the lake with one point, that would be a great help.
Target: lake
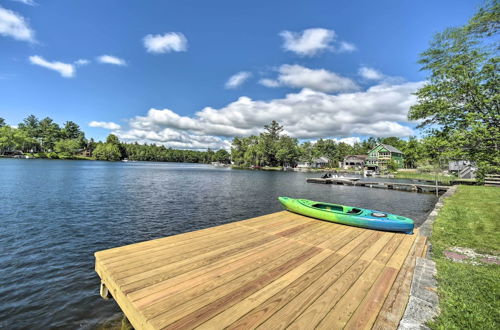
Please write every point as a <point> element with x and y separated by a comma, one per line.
<point>55,214</point>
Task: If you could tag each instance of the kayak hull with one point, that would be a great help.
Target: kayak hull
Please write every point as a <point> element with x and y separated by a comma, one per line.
<point>349,215</point>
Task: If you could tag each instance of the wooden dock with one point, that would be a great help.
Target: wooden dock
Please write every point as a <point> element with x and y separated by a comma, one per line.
<point>415,187</point>
<point>276,271</point>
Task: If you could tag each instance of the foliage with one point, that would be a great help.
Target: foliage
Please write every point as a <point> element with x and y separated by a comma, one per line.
<point>460,104</point>
<point>469,294</point>
<point>107,151</point>
<point>68,147</point>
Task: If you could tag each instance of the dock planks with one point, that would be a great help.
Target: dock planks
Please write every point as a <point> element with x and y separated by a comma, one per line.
<point>276,271</point>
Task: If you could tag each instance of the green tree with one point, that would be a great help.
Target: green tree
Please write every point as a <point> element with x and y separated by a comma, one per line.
<point>49,133</point>
<point>7,142</point>
<point>67,147</point>
<point>2,122</point>
<point>112,139</point>
<point>288,152</point>
<point>461,101</point>
<point>107,151</point>
<point>222,156</point>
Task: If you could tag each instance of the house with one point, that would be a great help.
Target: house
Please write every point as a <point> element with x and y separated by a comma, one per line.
<point>320,162</point>
<point>354,161</point>
<point>463,168</point>
<point>382,155</point>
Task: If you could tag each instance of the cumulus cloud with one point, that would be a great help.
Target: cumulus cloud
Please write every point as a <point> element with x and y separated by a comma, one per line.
<point>15,26</point>
<point>308,42</point>
<point>108,59</point>
<point>349,140</point>
<point>65,69</point>
<point>237,79</point>
<point>105,124</point>
<point>379,111</point>
<point>297,76</point>
<point>166,43</point>
<point>370,73</point>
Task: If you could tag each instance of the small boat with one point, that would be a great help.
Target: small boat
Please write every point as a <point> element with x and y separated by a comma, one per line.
<point>349,215</point>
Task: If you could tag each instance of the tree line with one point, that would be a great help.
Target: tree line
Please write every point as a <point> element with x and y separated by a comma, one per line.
<point>273,148</point>
<point>46,139</point>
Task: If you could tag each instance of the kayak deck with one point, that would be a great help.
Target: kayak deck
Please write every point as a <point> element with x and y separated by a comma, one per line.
<point>273,271</point>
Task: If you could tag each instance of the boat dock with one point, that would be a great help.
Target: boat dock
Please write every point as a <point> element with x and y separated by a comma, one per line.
<point>271,272</point>
<point>415,187</point>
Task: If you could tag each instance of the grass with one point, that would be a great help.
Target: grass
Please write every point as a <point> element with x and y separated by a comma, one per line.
<point>425,176</point>
<point>469,294</point>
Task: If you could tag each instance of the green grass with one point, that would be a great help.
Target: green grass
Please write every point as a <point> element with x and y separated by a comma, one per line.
<point>469,294</point>
<point>424,176</point>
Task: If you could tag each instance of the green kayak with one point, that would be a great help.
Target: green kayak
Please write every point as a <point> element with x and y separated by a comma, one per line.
<point>349,215</point>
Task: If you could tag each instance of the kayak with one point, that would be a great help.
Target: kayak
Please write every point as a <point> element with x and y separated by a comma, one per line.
<point>349,215</point>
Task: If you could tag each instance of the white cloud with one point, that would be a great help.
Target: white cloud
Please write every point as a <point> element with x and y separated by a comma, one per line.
<point>14,25</point>
<point>105,124</point>
<point>166,43</point>
<point>309,42</point>
<point>269,82</point>
<point>370,73</point>
<point>349,140</point>
<point>237,79</point>
<point>297,76</point>
<point>172,138</point>
<point>346,47</point>
<point>108,59</point>
<point>82,62</point>
<point>27,2</point>
<point>379,111</point>
<point>65,69</point>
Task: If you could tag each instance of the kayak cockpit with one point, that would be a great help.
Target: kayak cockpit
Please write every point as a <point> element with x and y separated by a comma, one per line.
<point>336,208</point>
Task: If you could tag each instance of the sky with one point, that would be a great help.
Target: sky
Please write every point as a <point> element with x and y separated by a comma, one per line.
<point>194,74</point>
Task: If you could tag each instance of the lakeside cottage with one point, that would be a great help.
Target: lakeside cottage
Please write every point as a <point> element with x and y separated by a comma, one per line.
<point>382,155</point>
<point>354,161</point>
<point>320,162</point>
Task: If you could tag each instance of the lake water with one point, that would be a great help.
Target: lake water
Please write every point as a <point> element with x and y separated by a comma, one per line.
<point>55,214</point>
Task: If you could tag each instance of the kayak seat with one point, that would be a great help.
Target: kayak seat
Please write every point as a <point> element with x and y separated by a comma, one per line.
<point>354,211</point>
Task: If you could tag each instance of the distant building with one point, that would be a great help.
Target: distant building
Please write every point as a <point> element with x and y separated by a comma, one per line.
<point>320,162</point>
<point>354,161</point>
<point>383,154</point>
<point>463,168</point>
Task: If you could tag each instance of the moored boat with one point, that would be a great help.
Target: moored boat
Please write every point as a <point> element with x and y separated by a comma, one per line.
<point>349,215</point>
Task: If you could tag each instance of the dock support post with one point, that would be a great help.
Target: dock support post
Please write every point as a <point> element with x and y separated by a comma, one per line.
<point>103,290</point>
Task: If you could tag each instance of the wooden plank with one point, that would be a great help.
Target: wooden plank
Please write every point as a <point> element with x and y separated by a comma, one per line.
<point>346,268</point>
<point>203,314</point>
<point>368,310</point>
<point>237,311</point>
<point>395,303</point>
<point>345,307</point>
<point>214,278</point>
<point>141,246</point>
<point>315,312</point>
<point>274,303</point>
<point>147,261</point>
<point>126,275</point>
<point>192,298</point>
<point>163,273</point>
<point>221,266</point>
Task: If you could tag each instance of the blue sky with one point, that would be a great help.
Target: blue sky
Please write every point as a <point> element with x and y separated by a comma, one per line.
<point>332,69</point>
